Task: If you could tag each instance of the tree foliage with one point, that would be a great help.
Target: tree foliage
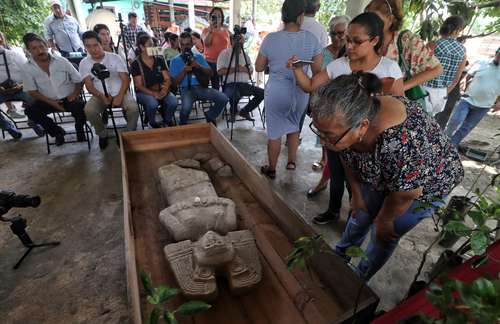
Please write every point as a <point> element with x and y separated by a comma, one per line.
<point>18,17</point>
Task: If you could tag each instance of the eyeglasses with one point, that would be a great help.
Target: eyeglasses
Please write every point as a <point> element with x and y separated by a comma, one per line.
<point>326,139</point>
<point>356,42</point>
<point>337,34</point>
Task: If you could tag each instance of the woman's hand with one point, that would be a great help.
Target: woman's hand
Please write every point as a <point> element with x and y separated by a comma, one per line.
<point>289,64</point>
<point>384,229</point>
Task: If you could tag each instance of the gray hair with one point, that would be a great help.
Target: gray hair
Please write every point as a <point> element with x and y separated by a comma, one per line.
<point>350,96</point>
<point>336,20</point>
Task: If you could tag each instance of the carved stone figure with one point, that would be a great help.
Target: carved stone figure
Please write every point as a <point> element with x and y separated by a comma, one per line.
<point>196,265</point>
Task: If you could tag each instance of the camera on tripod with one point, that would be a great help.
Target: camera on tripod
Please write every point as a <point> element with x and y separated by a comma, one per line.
<point>238,31</point>
<point>100,71</point>
<point>9,199</point>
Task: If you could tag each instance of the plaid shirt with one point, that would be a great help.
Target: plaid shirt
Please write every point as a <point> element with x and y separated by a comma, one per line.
<point>131,35</point>
<point>450,53</point>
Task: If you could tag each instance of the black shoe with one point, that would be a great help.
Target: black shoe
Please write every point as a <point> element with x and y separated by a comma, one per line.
<point>326,217</point>
<point>15,133</point>
<point>155,125</point>
<point>169,124</point>
<point>103,142</point>
<point>212,121</point>
<point>39,131</point>
<point>246,115</point>
<point>60,137</point>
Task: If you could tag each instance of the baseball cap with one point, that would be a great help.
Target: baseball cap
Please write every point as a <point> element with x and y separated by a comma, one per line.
<point>55,2</point>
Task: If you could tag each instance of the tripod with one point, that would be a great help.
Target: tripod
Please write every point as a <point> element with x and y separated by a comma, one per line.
<point>122,39</point>
<point>18,227</point>
<point>110,111</point>
<point>235,55</point>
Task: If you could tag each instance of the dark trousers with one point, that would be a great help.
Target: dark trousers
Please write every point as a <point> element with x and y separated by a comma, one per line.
<point>215,78</point>
<point>39,110</point>
<point>337,181</point>
<point>235,91</point>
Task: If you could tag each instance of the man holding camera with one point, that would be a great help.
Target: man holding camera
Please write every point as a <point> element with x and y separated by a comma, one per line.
<point>187,70</point>
<point>235,89</point>
<point>98,68</point>
<point>63,31</point>
<point>55,85</point>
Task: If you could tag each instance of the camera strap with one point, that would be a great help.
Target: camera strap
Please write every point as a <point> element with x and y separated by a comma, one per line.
<point>6,65</point>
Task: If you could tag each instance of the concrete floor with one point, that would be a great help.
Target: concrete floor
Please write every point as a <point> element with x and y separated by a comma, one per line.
<point>83,279</point>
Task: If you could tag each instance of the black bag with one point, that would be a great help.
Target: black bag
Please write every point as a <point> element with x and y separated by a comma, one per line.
<point>9,83</point>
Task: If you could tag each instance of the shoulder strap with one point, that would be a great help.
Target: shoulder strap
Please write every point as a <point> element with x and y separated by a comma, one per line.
<point>401,60</point>
<point>139,62</point>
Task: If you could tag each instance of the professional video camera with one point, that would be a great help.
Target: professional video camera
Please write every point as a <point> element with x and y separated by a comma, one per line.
<point>8,200</point>
<point>237,30</point>
<point>100,71</point>
<point>187,56</point>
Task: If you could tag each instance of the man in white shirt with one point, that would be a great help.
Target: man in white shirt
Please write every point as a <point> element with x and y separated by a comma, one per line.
<point>235,89</point>
<point>116,85</point>
<point>55,85</point>
<point>312,25</point>
<point>62,31</point>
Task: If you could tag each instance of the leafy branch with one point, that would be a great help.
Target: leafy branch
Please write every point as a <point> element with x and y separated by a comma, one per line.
<point>159,296</point>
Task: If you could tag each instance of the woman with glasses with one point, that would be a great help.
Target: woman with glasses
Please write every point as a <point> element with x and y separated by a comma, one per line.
<point>152,83</point>
<point>395,159</point>
<point>285,102</point>
<point>363,40</point>
<point>418,58</point>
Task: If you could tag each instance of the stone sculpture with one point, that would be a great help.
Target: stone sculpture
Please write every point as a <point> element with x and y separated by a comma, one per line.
<point>204,227</point>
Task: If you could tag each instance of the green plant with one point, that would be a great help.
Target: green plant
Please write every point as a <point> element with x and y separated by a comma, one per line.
<point>18,17</point>
<point>159,296</point>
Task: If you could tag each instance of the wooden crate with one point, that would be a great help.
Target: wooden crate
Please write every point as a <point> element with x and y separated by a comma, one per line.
<point>326,295</point>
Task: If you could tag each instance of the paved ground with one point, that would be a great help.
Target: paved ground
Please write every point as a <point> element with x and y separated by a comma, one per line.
<point>83,280</point>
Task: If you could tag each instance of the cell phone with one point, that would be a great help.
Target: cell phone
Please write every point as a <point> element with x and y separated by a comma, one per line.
<point>302,62</point>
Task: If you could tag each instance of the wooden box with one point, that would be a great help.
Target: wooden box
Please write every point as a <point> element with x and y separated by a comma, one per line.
<point>327,294</point>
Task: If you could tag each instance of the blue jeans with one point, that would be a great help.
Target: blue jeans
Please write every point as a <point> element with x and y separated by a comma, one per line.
<point>463,120</point>
<point>150,103</point>
<point>20,96</point>
<point>189,96</point>
<point>377,252</point>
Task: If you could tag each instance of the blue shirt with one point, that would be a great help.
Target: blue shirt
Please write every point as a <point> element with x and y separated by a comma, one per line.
<point>177,64</point>
<point>450,53</point>
<point>65,32</point>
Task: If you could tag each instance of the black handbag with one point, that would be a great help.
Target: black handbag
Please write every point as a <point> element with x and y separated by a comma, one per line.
<point>9,83</point>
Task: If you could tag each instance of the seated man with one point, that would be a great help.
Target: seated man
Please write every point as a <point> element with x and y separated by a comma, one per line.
<point>116,85</point>
<point>11,87</point>
<point>241,87</point>
<point>183,69</point>
<point>55,85</point>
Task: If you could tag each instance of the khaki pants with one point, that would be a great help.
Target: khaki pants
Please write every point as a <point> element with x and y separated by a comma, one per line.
<point>95,107</point>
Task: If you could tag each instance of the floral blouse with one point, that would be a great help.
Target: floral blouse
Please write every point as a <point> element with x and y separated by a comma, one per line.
<point>410,155</point>
<point>417,55</point>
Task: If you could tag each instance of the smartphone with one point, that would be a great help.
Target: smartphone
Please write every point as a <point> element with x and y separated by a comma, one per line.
<point>302,62</point>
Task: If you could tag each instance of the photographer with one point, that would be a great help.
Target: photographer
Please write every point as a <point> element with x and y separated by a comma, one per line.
<point>55,85</point>
<point>187,69</point>
<point>117,86</point>
<point>216,38</point>
<point>152,83</point>
<point>242,87</point>
<point>11,87</point>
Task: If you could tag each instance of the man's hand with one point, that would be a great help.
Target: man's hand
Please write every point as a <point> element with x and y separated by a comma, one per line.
<point>384,230</point>
<point>187,68</point>
<point>163,92</point>
<point>107,100</point>
<point>290,61</point>
<point>194,63</point>
<point>117,101</point>
<point>72,97</point>
<point>56,104</point>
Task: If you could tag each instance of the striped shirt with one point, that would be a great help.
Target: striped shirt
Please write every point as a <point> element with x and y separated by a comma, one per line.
<point>450,53</point>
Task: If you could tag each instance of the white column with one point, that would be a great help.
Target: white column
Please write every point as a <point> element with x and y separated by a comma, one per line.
<point>231,13</point>
<point>355,7</point>
<point>76,7</point>
<point>191,14</point>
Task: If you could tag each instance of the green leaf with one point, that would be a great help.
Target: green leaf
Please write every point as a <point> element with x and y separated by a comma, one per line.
<point>457,227</point>
<point>165,293</point>
<point>154,317</point>
<point>146,282</point>
<point>479,242</point>
<point>478,217</point>
<point>355,252</point>
<point>192,307</point>
<point>154,299</point>
<point>484,288</point>
<point>169,317</point>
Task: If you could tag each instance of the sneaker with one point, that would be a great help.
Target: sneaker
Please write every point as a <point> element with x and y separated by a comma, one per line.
<point>15,133</point>
<point>14,114</point>
<point>246,115</point>
<point>326,217</point>
<point>39,131</point>
<point>103,142</point>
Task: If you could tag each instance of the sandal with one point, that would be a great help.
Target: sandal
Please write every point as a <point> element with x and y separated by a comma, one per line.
<point>314,191</point>
<point>318,166</point>
<point>266,170</point>
<point>291,166</point>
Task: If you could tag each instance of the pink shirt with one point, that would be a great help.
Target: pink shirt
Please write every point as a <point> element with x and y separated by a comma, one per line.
<point>220,41</point>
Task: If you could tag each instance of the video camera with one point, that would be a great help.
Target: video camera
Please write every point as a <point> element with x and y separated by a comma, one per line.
<point>9,199</point>
<point>100,71</point>
<point>237,30</point>
<point>187,56</point>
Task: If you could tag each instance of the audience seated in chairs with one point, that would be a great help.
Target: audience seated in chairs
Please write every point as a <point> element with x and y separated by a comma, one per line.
<point>55,85</point>
<point>152,83</point>
<point>241,87</point>
<point>117,86</point>
<point>186,69</point>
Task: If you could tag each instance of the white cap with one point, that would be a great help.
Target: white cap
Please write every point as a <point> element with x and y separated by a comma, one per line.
<point>55,2</point>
